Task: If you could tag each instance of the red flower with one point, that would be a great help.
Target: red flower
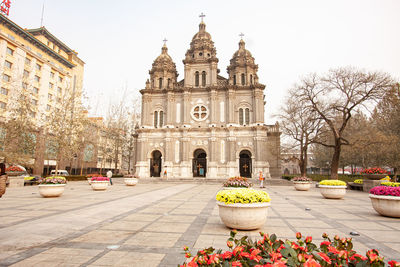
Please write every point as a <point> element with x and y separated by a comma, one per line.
<point>275,256</point>
<point>229,244</point>
<point>372,256</point>
<point>227,255</point>
<point>324,257</point>
<point>325,243</point>
<point>298,235</point>
<point>245,254</point>
<point>236,263</point>
<point>308,239</point>
<point>311,263</point>
<point>254,255</point>
<point>237,250</point>
<point>353,258</point>
<point>333,250</point>
<point>394,263</point>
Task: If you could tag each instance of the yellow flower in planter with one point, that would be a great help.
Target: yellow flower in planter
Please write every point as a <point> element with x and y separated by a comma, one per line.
<point>332,182</point>
<point>358,181</point>
<point>387,178</point>
<point>244,196</point>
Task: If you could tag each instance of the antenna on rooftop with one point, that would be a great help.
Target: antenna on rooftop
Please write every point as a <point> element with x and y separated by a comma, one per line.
<point>41,20</point>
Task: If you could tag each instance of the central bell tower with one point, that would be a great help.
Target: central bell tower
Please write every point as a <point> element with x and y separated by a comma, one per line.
<point>201,62</point>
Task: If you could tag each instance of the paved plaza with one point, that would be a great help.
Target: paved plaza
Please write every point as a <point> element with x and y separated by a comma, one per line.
<point>148,224</point>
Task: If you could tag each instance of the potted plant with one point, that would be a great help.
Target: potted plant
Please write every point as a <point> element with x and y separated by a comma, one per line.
<point>374,173</point>
<point>99,183</point>
<point>237,182</point>
<point>333,189</point>
<point>52,186</point>
<point>15,171</point>
<point>131,180</point>
<point>302,183</point>
<point>90,176</point>
<point>244,208</point>
<point>271,251</point>
<point>385,199</point>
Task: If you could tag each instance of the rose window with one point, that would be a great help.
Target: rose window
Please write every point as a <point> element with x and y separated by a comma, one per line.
<point>199,112</point>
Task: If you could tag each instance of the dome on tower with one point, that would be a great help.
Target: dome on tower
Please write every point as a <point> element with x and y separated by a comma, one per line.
<point>242,56</point>
<point>163,62</point>
<point>201,47</point>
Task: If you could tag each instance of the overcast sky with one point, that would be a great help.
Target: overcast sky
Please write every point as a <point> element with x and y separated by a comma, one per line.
<point>119,40</point>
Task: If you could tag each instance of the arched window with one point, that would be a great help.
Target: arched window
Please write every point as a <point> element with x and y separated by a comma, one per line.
<point>160,83</point>
<point>203,78</point>
<point>161,118</point>
<point>246,116</point>
<point>240,116</point>
<point>234,79</point>
<point>169,82</point>
<point>251,79</point>
<point>243,79</point>
<point>155,119</point>
<point>196,79</point>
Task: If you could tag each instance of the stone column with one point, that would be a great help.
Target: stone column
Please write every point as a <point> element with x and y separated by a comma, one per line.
<point>186,107</point>
<point>170,109</point>
<point>214,118</point>
<point>186,164</point>
<point>231,106</point>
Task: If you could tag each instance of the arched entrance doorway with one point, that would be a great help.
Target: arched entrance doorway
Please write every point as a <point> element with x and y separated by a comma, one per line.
<point>245,163</point>
<point>155,164</point>
<point>199,163</point>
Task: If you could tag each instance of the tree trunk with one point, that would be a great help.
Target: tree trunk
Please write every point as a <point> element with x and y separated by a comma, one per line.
<point>335,161</point>
<point>395,174</point>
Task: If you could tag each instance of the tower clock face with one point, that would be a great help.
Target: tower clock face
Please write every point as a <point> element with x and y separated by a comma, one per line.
<point>199,112</point>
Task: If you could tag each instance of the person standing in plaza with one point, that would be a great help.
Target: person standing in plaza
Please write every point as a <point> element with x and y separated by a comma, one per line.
<point>3,178</point>
<point>261,180</point>
<point>109,175</point>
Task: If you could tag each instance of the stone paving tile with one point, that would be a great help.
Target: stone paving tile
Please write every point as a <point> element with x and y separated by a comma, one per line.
<point>142,217</point>
<point>150,239</point>
<point>103,236</point>
<point>124,225</point>
<point>364,225</point>
<point>123,258</point>
<point>167,227</point>
<point>216,241</point>
<point>178,218</point>
<point>307,223</point>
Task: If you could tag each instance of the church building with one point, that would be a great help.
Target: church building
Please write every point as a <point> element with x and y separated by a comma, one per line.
<point>205,125</point>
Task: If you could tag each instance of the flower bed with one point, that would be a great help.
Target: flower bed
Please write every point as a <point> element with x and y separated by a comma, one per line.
<point>237,182</point>
<point>14,169</point>
<point>391,184</point>
<point>301,179</point>
<point>100,179</point>
<point>333,182</point>
<point>244,196</point>
<point>386,200</point>
<point>270,251</point>
<point>53,180</point>
<point>385,191</point>
<point>373,171</point>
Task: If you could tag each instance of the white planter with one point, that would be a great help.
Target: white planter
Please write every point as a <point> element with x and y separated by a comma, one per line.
<point>386,205</point>
<point>89,180</point>
<point>333,191</point>
<point>302,186</point>
<point>99,185</point>
<point>243,216</point>
<point>131,181</point>
<point>51,190</point>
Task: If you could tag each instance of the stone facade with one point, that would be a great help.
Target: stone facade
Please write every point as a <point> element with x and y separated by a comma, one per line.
<point>205,125</point>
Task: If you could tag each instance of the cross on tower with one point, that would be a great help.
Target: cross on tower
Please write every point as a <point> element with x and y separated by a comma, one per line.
<point>165,41</point>
<point>202,16</point>
<point>241,35</point>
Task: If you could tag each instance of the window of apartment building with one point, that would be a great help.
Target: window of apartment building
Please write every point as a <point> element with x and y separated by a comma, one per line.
<point>59,90</point>
<point>35,90</point>
<point>50,97</point>
<point>51,85</point>
<point>6,78</point>
<point>3,105</point>
<point>34,102</point>
<point>38,67</point>
<point>37,78</point>
<point>3,91</point>
<point>10,51</point>
<point>24,85</point>
<point>60,79</point>
<point>48,107</point>
<point>7,64</point>
<point>26,74</point>
<point>52,75</point>
<point>27,61</point>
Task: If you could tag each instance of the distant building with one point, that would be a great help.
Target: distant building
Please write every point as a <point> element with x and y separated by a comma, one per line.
<point>205,125</point>
<point>38,62</point>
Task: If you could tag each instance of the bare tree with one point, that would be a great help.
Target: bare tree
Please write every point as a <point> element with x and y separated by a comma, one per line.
<point>302,125</point>
<point>335,97</point>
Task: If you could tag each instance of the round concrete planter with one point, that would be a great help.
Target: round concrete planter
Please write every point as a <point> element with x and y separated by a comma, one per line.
<point>99,185</point>
<point>302,186</point>
<point>333,191</point>
<point>131,181</point>
<point>386,205</point>
<point>51,190</point>
<point>243,216</point>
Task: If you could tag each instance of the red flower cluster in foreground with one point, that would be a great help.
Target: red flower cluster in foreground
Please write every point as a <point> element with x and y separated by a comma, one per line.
<point>385,191</point>
<point>271,252</point>
<point>14,169</point>
<point>100,179</point>
<point>374,171</point>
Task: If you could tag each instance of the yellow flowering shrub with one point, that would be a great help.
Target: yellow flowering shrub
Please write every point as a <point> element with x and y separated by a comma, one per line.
<point>332,182</point>
<point>387,178</point>
<point>243,196</point>
<point>358,181</point>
